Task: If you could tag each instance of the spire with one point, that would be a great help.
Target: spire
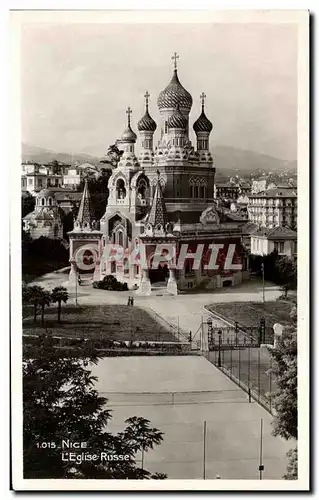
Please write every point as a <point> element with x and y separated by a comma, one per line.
<point>146,95</point>
<point>158,213</point>
<point>202,123</point>
<point>174,93</point>
<point>128,134</point>
<point>85,214</point>
<point>203,97</point>
<point>146,123</point>
<point>175,56</point>
<point>129,112</point>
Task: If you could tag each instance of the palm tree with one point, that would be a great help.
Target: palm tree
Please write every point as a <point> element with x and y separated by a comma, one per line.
<point>59,294</point>
<point>33,295</point>
<point>44,300</point>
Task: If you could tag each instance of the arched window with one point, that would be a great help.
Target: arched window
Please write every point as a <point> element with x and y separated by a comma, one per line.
<point>120,190</point>
<point>120,238</point>
<point>141,190</point>
<point>196,194</point>
<point>50,202</point>
<point>42,201</point>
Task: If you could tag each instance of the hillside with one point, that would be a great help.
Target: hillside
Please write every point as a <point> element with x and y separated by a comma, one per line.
<point>40,155</point>
<point>228,161</point>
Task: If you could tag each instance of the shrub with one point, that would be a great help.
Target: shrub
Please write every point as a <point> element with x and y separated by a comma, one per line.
<point>110,283</point>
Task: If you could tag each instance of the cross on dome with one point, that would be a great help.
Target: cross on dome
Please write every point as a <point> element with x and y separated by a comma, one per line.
<point>146,95</point>
<point>203,97</point>
<point>129,112</point>
<point>175,57</point>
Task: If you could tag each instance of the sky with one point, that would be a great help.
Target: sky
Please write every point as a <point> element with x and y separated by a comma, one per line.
<point>77,81</point>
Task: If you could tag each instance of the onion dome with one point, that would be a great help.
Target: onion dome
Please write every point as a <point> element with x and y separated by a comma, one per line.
<point>177,120</point>
<point>146,123</point>
<point>202,123</point>
<point>128,134</point>
<point>174,93</point>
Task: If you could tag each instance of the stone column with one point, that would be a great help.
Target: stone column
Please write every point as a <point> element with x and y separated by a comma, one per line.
<point>71,249</point>
<point>172,284</point>
<point>97,271</point>
<point>73,273</point>
<point>145,284</point>
<point>218,281</point>
<point>278,331</point>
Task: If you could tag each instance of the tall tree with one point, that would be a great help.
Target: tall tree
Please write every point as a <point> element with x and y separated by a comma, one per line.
<point>44,300</point>
<point>33,294</point>
<point>59,294</point>
<point>284,369</point>
<point>60,402</point>
<point>27,204</point>
<point>287,272</point>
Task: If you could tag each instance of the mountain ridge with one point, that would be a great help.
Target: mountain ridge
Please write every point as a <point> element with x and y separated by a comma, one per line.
<point>228,160</point>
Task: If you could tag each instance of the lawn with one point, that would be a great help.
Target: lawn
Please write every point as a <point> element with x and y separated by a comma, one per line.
<point>115,322</point>
<point>249,313</point>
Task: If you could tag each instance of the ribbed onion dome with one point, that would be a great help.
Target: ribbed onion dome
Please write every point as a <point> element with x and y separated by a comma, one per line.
<point>174,94</point>
<point>202,124</point>
<point>128,135</point>
<point>146,124</point>
<point>177,120</point>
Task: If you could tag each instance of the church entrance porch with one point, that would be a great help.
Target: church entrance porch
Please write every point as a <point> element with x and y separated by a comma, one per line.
<point>159,275</point>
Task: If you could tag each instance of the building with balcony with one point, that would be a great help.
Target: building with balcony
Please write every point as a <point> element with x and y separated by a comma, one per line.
<point>274,207</point>
<point>227,191</point>
<point>73,177</point>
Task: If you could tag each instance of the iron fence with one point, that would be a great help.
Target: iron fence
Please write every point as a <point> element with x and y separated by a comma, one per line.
<point>248,366</point>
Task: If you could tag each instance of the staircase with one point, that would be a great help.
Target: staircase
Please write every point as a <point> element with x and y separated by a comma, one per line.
<point>159,289</point>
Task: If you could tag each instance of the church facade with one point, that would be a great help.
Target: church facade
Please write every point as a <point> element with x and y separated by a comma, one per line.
<point>165,196</point>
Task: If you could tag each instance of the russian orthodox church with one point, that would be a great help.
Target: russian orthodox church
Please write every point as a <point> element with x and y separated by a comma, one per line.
<point>165,194</point>
<point>45,220</point>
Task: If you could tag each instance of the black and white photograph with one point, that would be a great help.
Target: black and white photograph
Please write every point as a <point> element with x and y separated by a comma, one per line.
<point>159,239</point>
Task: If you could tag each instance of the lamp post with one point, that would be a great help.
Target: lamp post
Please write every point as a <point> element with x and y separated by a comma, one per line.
<point>219,348</point>
<point>263,276</point>
<point>209,332</point>
<point>76,285</point>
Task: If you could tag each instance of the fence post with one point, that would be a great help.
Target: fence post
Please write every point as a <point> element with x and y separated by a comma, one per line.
<point>173,400</point>
<point>239,363</point>
<point>270,389</point>
<point>258,361</point>
<point>236,332</point>
<point>231,360</point>
<point>249,367</point>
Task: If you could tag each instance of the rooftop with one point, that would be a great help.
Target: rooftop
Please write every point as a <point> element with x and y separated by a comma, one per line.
<point>276,233</point>
<point>278,192</point>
